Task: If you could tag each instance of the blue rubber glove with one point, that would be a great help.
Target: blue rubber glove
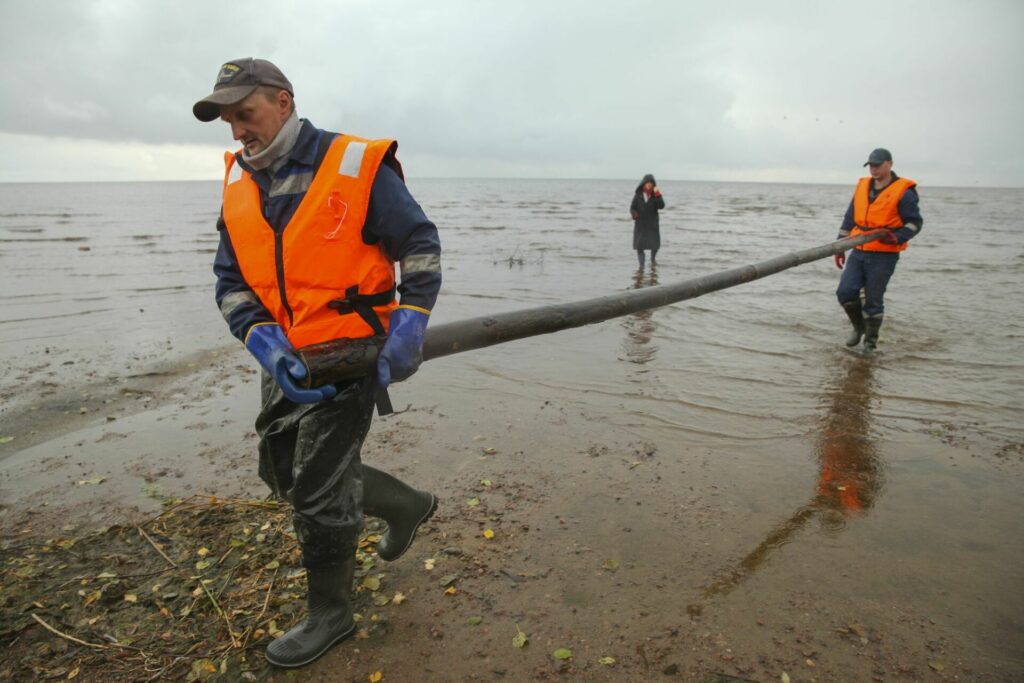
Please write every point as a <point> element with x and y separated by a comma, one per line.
<point>275,353</point>
<point>403,351</point>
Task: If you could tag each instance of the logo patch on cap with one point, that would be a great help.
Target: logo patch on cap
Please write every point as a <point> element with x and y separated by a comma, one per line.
<point>227,72</point>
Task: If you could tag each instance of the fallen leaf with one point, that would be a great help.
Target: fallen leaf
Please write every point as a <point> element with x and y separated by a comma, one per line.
<point>74,673</point>
<point>488,533</point>
<point>131,597</point>
<point>381,600</point>
<point>274,564</point>
<point>937,666</point>
<point>520,639</point>
<point>607,661</point>
<point>8,439</point>
<point>398,599</point>
<point>610,565</point>
<point>490,451</point>
<point>202,564</point>
<point>562,653</point>
<point>473,502</point>
<point>451,590</point>
<point>483,482</point>
<point>94,480</point>
<point>372,583</point>
<point>475,621</point>
<point>376,677</point>
<point>784,677</point>
<point>203,552</point>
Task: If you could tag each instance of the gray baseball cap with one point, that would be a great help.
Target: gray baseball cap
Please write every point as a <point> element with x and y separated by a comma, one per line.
<point>236,80</point>
<point>878,156</point>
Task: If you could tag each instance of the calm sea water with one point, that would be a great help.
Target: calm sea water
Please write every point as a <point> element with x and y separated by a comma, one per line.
<point>120,273</point>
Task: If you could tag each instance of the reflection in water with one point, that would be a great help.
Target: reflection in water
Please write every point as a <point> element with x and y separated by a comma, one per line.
<point>639,326</point>
<point>849,474</point>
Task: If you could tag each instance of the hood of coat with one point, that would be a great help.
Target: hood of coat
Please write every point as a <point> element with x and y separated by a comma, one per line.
<point>647,179</point>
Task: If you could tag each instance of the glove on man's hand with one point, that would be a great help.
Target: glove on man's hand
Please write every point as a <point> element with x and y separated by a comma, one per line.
<point>403,351</point>
<point>840,259</point>
<point>275,353</point>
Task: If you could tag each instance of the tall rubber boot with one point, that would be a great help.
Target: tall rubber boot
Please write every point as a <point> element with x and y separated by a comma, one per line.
<point>329,620</point>
<point>872,324</point>
<point>401,506</point>
<point>856,314</point>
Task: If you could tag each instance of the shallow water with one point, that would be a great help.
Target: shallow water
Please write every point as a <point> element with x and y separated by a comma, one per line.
<point>898,477</point>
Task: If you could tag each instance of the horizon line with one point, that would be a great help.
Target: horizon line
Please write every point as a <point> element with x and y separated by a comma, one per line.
<point>531,178</point>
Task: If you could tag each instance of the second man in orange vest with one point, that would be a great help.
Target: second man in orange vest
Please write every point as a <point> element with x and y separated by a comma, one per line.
<point>881,201</point>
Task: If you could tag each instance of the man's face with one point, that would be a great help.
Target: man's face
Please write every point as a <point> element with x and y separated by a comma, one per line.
<point>880,171</point>
<point>256,121</point>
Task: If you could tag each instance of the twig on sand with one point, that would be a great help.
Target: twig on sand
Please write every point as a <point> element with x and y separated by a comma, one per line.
<point>156,547</point>
<point>98,646</point>
<point>221,612</point>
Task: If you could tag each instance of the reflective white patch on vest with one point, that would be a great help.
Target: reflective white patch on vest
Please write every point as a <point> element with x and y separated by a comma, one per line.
<point>235,174</point>
<point>352,160</point>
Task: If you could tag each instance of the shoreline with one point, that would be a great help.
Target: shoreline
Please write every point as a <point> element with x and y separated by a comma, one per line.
<point>608,542</point>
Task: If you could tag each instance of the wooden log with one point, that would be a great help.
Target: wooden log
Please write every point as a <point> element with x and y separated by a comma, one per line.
<point>344,359</point>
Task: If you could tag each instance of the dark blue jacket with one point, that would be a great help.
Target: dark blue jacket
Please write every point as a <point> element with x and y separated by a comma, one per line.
<point>910,213</point>
<point>393,219</point>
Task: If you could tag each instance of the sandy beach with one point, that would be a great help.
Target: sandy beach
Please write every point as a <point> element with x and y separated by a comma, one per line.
<point>662,489</point>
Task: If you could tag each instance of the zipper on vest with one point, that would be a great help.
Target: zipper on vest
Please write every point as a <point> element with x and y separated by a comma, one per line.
<point>279,261</point>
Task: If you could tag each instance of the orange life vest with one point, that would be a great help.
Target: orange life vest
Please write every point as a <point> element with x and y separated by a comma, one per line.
<point>884,212</point>
<point>317,277</point>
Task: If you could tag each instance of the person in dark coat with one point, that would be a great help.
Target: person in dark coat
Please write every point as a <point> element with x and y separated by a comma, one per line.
<point>647,201</point>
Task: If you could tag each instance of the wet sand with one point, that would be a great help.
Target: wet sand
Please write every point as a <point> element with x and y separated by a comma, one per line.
<point>607,542</point>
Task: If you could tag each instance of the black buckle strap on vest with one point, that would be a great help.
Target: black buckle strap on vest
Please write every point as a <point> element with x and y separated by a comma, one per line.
<point>362,304</point>
<point>383,401</point>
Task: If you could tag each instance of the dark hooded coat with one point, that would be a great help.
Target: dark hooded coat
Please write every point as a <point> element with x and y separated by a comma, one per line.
<point>646,230</point>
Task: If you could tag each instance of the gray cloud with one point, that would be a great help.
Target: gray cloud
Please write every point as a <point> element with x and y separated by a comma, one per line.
<point>743,90</point>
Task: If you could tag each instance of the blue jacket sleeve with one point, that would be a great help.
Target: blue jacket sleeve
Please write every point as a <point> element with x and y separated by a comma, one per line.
<point>238,304</point>
<point>847,226</point>
<point>910,213</point>
<point>397,222</point>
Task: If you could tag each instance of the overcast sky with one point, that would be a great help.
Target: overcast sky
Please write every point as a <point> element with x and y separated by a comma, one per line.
<point>773,91</point>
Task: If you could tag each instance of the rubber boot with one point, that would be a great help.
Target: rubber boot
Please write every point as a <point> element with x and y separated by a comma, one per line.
<point>872,324</point>
<point>856,315</point>
<point>328,621</point>
<point>401,506</point>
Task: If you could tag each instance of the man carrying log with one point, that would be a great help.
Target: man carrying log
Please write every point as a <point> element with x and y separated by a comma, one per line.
<point>311,226</point>
<point>881,201</point>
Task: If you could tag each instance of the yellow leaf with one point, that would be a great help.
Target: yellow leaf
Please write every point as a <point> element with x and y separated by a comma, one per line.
<point>607,661</point>
<point>74,673</point>
<point>428,564</point>
<point>451,590</point>
<point>372,583</point>
<point>398,599</point>
<point>376,677</point>
<point>488,533</point>
<point>203,552</point>
<point>131,597</point>
<point>520,638</point>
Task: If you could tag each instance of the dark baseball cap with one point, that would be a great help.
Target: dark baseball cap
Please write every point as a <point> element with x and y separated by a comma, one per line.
<point>877,156</point>
<point>236,80</point>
